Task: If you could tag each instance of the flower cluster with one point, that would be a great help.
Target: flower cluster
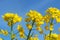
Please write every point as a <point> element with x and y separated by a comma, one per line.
<point>54,13</point>
<point>11,18</point>
<point>4,32</point>
<point>33,38</point>
<point>53,36</point>
<point>36,17</point>
<point>21,31</point>
<point>13,36</point>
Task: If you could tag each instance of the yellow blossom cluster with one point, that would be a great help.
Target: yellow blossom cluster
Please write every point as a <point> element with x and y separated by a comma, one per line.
<point>4,32</point>
<point>52,36</point>
<point>38,28</point>
<point>21,31</point>
<point>35,16</point>
<point>47,18</point>
<point>33,38</point>
<point>46,27</point>
<point>54,13</point>
<point>29,26</point>
<point>51,27</point>
<point>13,36</point>
<point>11,18</point>
<point>58,36</point>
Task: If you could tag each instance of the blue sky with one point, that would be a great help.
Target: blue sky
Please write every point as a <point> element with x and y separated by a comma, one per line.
<point>21,7</point>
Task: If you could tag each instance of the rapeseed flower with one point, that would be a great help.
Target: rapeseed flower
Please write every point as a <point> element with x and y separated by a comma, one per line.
<point>4,32</point>
<point>19,28</point>
<point>29,26</point>
<point>1,39</point>
<point>22,34</point>
<point>11,18</point>
<point>13,36</point>
<point>30,38</point>
<point>53,36</point>
<point>54,13</point>
<point>34,15</point>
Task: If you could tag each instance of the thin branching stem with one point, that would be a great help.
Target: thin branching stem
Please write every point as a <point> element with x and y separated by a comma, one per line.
<point>30,31</point>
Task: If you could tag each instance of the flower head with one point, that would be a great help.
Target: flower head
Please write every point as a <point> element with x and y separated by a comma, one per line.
<point>11,18</point>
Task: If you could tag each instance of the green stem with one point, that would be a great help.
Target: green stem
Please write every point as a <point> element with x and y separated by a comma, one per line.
<point>44,36</point>
<point>50,30</point>
<point>50,35</point>
<point>30,31</point>
<point>11,33</point>
<point>11,29</point>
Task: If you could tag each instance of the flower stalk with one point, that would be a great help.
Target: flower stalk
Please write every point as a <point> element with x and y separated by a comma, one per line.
<point>30,31</point>
<point>11,29</point>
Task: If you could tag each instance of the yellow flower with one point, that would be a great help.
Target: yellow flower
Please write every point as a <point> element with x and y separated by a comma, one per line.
<point>53,13</point>
<point>1,39</point>
<point>9,24</point>
<point>8,16</point>
<point>35,38</point>
<point>34,15</point>
<point>38,28</point>
<point>29,26</point>
<point>47,38</point>
<point>38,24</point>
<point>11,17</point>
<point>5,32</point>
<point>16,18</point>
<point>30,38</point>
<point>51,27</point>
<point>22,35</point>
<point>21,31</point>
<point>58,36</point>
<point>52,10</point>
<point>41,32</point>
<point>58,19</point>
<point>19,27</point>
<point>13,36</point>
<point>53,36</point>
<point>45,18</point>
<point>27,19</point>
<point>46,27</point>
